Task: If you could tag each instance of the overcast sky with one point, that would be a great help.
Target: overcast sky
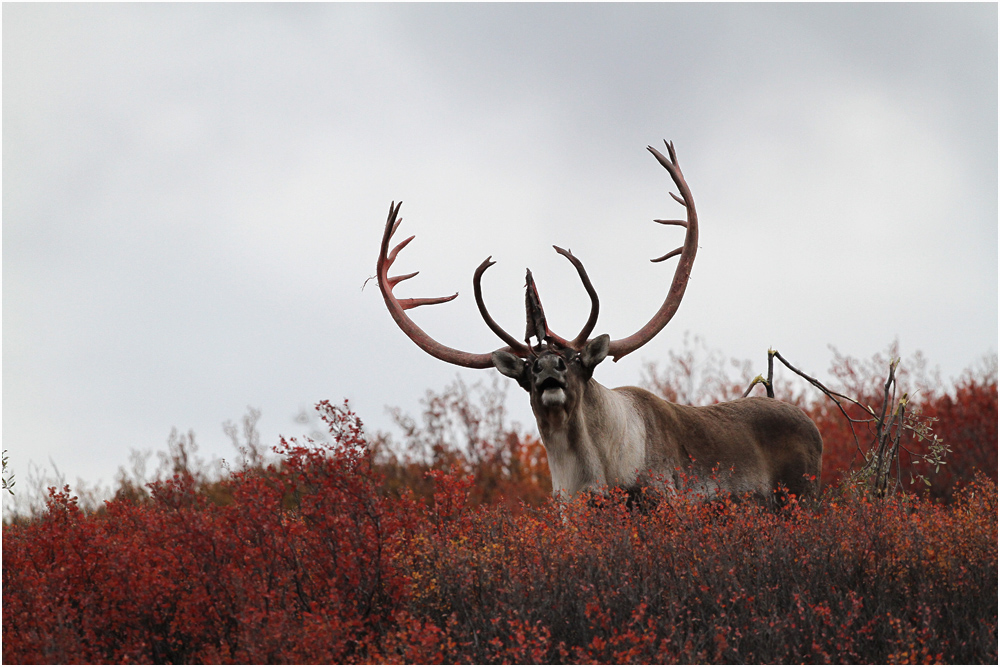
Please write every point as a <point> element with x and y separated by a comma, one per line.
<point>194,195</point>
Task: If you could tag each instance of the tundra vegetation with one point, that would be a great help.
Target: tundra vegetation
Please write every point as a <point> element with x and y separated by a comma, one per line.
<point>443,545</point>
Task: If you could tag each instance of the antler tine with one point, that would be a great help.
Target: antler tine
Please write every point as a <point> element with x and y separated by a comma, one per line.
<point>405,304</point>
<point>516,346</point>
<point>619,348</point>
<point>398,307</point>
<point>672,253</point>
<point>595,305</point>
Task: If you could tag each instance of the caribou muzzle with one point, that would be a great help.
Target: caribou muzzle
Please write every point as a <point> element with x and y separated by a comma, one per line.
<point>549,378</point>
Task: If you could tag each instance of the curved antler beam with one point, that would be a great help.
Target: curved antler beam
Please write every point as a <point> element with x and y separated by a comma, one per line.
<point>516,346</point>
<point>595,304</point>
<point>398,307</point>
<point>619,348</point>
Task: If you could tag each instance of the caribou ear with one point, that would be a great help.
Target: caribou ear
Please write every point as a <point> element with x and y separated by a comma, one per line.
<point>512,366</point>
<point>595,351</point>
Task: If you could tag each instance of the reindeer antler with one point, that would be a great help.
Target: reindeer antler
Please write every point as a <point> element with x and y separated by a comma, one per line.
<point>595,304</point>
<point>537,326</point>
<point>515,345</point>
<point>619,348</point>
<point>398,307</point>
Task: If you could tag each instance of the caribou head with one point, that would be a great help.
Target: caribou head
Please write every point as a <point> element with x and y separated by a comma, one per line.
<point>596,436</point>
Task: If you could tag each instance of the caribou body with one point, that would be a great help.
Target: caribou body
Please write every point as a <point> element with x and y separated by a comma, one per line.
<point>597,437</point>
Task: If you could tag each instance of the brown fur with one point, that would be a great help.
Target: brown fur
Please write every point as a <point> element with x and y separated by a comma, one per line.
<point>752,444</point>
<point>595,436</point>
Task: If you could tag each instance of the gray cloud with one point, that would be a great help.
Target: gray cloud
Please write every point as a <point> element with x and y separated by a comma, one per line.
<point>193,195</point>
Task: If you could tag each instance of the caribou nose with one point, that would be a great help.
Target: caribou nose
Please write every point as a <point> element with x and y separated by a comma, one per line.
<point>550,377</point>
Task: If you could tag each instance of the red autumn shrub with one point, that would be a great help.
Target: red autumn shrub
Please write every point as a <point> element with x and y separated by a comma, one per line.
<point>344,552</point>
<point>296,568</point>
<point>468,431</point>
<point>313,561</point>
<point>964,417</point>
<point>718,582</point>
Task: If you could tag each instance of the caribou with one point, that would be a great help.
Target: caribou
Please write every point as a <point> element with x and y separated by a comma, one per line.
<point>596,437</point>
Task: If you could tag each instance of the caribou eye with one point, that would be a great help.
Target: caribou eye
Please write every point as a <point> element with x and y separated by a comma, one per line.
<point>537,366</point>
